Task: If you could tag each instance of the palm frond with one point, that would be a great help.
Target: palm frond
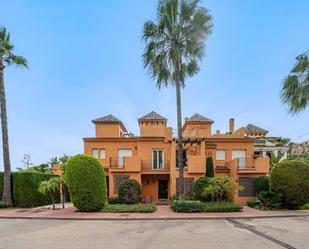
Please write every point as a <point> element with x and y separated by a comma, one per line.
<point>6,50</point>
<point>176,42</point>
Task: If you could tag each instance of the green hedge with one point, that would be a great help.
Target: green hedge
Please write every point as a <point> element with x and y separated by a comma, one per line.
<point>185,206</point>
<point>86,181</point>
<point>291,179</point>
<point>221,207</point>
<point>132,208</point>
<point>25,189</point>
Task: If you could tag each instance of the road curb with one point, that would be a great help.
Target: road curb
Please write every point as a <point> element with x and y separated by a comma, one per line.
<point>154,218</point>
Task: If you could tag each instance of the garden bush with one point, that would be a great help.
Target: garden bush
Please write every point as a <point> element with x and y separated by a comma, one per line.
<point>270,199</point>
<point>221,207</point>
<point>251,204</point>
<point>25,188</point>
<point>199,186</point>
<point>291,178</point>
<point>262,184</point>
<point>132,208</point>
<point>220,188</point>
<point>129,192</point>
<point>86,182</point>
<point>113,200</point>
<point>305,207</point>
<point>2,204</point>
<point>210,167</point>
<point>185,206</point>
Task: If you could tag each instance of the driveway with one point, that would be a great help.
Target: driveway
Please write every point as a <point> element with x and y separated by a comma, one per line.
<point>156,234</point>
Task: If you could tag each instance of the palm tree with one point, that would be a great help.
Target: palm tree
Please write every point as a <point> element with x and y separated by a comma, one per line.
<point>174,46</point>
<point>7,58</point>
<point>50,187</point>
<point>295,91</point>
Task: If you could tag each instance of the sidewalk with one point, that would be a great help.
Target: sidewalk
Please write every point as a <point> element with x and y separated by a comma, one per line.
<point>163,212</point>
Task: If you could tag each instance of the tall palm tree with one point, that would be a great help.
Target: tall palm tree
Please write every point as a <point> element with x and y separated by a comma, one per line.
<point>295,91</point>
<point>7,58</point>
<point>174,46</point>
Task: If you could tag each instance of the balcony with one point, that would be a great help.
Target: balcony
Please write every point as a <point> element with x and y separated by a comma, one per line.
<point>127,164</point>
<point>151,167</point>
<point>249,165</point>
<point>244,164</point>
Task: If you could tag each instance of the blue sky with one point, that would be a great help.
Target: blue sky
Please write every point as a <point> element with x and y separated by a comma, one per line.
<point>85,62</point>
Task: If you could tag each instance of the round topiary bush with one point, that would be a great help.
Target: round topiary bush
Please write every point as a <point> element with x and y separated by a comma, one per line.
<point>262,184</point>
<point>129,191</point>
<point>86,182</point>
<point>199,186</point>
<point>291,178</point>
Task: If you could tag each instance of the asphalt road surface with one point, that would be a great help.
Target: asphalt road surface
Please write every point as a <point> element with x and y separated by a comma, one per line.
<point>181,234</point>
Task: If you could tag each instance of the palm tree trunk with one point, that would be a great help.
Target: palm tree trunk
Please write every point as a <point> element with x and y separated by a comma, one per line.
<point>62,194</point>
<point>7,192</point>
<point>53,201</point>
<point>181,191</point>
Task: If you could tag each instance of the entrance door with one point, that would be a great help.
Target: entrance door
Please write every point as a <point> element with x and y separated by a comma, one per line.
<point>163,189</point>
<point>121,154</point>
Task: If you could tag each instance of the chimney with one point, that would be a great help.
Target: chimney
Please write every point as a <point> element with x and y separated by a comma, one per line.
<point>232,125</point>
<point>217,131</point>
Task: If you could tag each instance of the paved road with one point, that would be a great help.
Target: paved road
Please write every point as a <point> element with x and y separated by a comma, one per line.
<point>190,234</point>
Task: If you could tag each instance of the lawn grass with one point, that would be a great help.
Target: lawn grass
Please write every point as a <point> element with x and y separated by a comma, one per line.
<point>129,208</point>
<point>221,207</point>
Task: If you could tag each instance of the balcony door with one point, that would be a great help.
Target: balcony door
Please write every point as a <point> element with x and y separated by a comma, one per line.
<point>241,156</point>
<point>121,154</point>
<point>157,159</point>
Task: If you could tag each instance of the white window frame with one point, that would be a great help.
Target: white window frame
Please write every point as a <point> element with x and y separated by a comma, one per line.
<point>241,160</point>
<point>121,159</point>
<point>158,164</point>
<point>100,153</point>
<point>220,159</point>
<point>97,153</point>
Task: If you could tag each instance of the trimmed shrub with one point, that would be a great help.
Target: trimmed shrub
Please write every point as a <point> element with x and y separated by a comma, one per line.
<point>251,204</point>
<point>25,189</point>
<point>262,184</point>
<point>221,207</point>
<point>86,182</point>
<point>113,200</point>
<point>291,178</point>
<point>199,186</point>
<point>129,192</point>
<point>132,208</point>
<point>209,167</point>
<point>185,206</point>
